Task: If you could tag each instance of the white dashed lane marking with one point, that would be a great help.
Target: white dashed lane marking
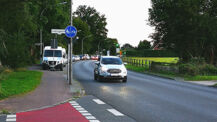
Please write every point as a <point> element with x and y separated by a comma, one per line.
<point>98,101</point>
<point>115,112</point>
<point>94,121</point>
<point>90,117</point>
<point>11,118</point>
<point>84,112</point>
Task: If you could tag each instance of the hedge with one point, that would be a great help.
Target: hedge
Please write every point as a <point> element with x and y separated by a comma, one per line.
<point>151,53</point>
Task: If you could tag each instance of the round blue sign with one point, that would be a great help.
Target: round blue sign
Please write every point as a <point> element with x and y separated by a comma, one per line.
<point>70,31</point>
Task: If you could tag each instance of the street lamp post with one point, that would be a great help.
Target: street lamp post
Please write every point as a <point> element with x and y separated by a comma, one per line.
<point>98,47</point>
<point>82,47</point>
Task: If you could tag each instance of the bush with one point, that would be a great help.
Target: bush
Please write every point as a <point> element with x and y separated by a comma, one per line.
<point>188,69</point>
<point>197,66</point>
<point>209,69</point>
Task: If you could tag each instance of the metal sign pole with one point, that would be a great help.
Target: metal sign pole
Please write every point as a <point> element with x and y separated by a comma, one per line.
<point>70,61</point>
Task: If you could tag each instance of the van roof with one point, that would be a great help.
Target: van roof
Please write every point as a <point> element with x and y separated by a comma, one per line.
<point>49,48</point>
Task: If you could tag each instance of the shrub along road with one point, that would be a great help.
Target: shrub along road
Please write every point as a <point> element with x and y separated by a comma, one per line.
<point>149,98</point>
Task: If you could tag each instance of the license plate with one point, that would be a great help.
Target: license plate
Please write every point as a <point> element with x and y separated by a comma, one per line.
<point>114,75</point>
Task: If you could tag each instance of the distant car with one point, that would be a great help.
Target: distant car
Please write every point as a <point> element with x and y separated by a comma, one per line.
<point>86,57</point>
<point>111,68</point>
<point>94,57</point>
<point>73,57</point>
<point>77,58</point>
<point>81,57</point>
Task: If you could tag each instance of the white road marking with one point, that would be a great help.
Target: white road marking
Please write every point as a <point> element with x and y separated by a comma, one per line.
<point>10,120</point>
<point>98,101</point>
<point>94,121</point>
<point>11,116</point>
<point>83,111</point>
<point>90,117</point>
<point>86,114</point>
<point>79,109</point>
<point>77,106</point>
<point>73,104</point>
<point>115,112</point>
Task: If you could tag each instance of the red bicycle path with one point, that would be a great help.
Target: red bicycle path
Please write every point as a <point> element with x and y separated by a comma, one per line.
<point>60,113</point>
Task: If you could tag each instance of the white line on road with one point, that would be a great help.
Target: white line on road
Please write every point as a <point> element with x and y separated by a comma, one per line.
<point>94,121</point>
<point>83,112</point>
<point>10,120</point>
<point>90,117</point>
<point>98,101</point>
<point>86,114</point>
<point>77,106</point>
<point>73,102</point>
<point>11,116</point>
<point>80,109</point>
<point>115,112</point>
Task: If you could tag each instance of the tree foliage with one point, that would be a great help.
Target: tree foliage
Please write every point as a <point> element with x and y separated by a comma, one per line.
<point>97,24</point>
<point>186,26</point>
<point>22,20</point>
<point>144,45</point>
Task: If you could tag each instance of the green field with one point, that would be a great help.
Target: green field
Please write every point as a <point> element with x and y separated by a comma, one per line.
<point>173,60</point>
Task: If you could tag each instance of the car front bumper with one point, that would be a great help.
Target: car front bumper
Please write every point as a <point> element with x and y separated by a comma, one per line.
<point>119,76</point>
<point>52,66</point>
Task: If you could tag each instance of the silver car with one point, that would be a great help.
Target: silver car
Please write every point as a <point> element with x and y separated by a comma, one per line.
<point>110,68</point>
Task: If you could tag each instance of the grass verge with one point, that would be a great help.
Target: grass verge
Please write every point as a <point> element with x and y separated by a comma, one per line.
<point>170,74</point>
<point>200,78</point>
<point>146,71</point>
<point>19,82</point>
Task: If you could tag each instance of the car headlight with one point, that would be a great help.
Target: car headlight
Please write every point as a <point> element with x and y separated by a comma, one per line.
<point>103,69</point>
<point>124,71</point>
<point>45,61</point>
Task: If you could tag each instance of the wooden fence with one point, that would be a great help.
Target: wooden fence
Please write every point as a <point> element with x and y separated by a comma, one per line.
<point>138,62</point>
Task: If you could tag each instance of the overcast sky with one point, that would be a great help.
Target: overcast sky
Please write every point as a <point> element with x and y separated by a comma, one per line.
<point>127,20</point>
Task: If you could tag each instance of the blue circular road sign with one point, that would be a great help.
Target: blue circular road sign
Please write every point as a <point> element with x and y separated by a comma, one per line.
<point>70,31</point>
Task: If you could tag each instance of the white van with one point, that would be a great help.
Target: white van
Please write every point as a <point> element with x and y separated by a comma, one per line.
<point>54,58</point>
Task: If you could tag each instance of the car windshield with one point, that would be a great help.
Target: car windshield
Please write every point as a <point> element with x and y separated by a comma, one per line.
<point>116,61</point>
<point>52,53</point>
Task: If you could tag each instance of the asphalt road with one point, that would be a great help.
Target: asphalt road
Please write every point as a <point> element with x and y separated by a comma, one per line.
<point>152,99</point>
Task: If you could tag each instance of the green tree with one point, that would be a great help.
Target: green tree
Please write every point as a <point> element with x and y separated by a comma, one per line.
<point>127,46</point>
<point>83,33</point>
<point>110,44</point>
<point>144,45</point>
<point>186,26</point>
<point>21,21</point>
<point>97,24</point>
